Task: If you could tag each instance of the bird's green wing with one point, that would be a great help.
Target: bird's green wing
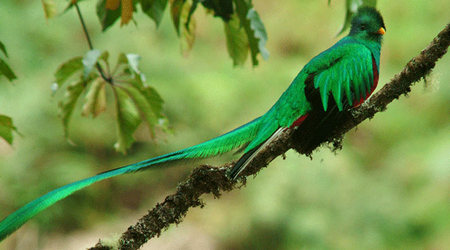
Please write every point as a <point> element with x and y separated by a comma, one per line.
<point>345,71</point>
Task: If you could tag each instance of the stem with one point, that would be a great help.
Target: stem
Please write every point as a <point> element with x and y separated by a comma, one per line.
<point>91,47</point>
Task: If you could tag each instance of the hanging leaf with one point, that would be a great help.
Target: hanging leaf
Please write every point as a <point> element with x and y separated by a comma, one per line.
<point>220,8</point>
<point>6,71</point>
<point>175,10</point>
<point>143,106</point>
<point>67,106</point>
<point>254,28</point>
<point>67,69</point>
<point>127,118</point>
<point>133,62</point>
<point>154,9</point>
<point>127,11</point>
<point>89,61</point>
<point>187,28</point>
<point>237,42</point>
<point>259,32</point>
<point>49,7</point>
<point>155,101</point>
<point>7,128</point>
<point>351,8</point>
<point>112,4</point>
<point>95,100</point>
<point>3,49</point>
<point>106,16</point>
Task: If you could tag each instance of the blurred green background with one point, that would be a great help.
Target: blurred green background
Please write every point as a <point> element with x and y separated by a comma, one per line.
<point>388,188</point>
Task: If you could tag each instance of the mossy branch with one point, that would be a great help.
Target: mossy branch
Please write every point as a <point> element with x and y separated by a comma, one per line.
<point>213,180</point>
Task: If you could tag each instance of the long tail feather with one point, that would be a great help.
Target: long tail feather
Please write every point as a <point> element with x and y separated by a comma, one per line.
<point>245,159</point>
<point>218,145</point>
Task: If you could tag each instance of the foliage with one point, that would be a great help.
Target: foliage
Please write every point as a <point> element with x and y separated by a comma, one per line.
<point>182,13</point>
<point>7,128</point>
<point>135,101</point>
<point>5,70</point>
<point>6,124</point>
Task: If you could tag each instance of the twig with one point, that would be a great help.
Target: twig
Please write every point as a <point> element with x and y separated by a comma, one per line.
<point>91,47</point>
<point>212,180</point>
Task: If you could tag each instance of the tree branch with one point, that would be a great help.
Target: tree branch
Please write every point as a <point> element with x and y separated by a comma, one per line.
<point>213,180</point>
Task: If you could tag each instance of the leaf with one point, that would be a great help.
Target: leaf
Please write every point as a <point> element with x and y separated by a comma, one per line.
<point>220,8</point>
<point>351,8</point>
<point>67,69</point>
<point>175,11</point>
<point>89,61</point>
<point>154,9</point>
<point>6,70</point>
<point>112,4</point>
<point>49,7</point>
<point>187,28</point>
<point>127,118</point>
<point>95,100</point>
<point>67,106</point>
<point>7,128</point>
<point>259,32</point>
<point>237,42</point>
<point>107,17</point>
<point>105,58</point>
<point>254,28</point>
<point>3,49</point>
<point>143,104</point>
<point>127,11</point>
<point>155,101</point>
<point>133,62</point>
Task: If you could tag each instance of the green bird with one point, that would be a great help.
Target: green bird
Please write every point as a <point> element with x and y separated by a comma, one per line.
<point>334,81</point>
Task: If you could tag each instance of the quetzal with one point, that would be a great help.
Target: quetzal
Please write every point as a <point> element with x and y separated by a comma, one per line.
<point>336,80</point>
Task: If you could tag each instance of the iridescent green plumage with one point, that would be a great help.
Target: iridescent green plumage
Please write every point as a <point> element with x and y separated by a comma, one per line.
<point>336,79</point>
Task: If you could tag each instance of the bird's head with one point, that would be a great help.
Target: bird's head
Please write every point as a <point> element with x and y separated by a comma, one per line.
<point>368,24</point>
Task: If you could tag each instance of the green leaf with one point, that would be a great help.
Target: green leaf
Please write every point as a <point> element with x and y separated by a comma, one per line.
<point>154,9</point>
<point>3,49</point>
<point>89,61</point>
<point>133,62</point>
<point>127,118</point>
<point>104,56</point>
<point>155,101</point>
<point>220,8</point>
<point>143,100</point>
<point>6,70</point>
<point>95,100</point>
<point>67,105</point>
<point>122,59</point>
<point>49,8</point>
<point>107,17</point>
<point>351,8</point>
<point>175,10</point>
<point>187,28</point>
<point>67,69</point>
<point>259,32</point>
<point>254,28</point>
<point>237,42</point>
<point>7,128</point>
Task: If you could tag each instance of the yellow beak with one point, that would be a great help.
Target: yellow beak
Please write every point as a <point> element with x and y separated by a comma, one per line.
<point>381,31</point>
